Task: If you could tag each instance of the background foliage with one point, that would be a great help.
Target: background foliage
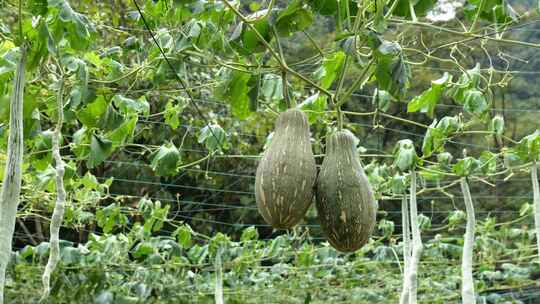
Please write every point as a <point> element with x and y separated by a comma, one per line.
<point>156,190</point>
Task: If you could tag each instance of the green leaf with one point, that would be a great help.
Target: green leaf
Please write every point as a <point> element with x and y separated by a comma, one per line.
<point>405,157</point>
<point>81,140</point>
<point>379,24</point>
<point>386,227</point>
<point>328,71</point>
<point>272,87</point>
<point>38,7</point>
<point>100,149</point>
<point>488,162</point>
<point>250,42</point>
<point>43,143</point>
<point>166,161</point>
<point>314,105</point>
<point>91,113</point>
<point>392,72</point>
<point>468,80</point>
<point>431,139</point>
<point>39,36</point>
<point>449,124</point>
<point>528,148</point>
<point>396,184</point>
<point>249,234</point>
<point>427,101</point>
<point>172,113</point>
<point>90,181</point>
<point>421,8</point>
<point>382,100</point>
<point>214,138</point>
<point>183,235</point>
<point>437,134</point>
<point>305,256</point>
<point>296,17</point>
<point>124,133</point>
<point>444,158</point>
<point>497,11</point>
<point>154,215</point>
<point>110,217</point>
<point>475,102</point>
<point>77,28</point>
<point>254,85</point>
<point>234,90</point>
<point>324,7</point>
<point>456,218</point>
<point>497,125</point>
<point>128,105</point>
<point>466,166</point>
<point>110,119</point>
<point>46,179</point>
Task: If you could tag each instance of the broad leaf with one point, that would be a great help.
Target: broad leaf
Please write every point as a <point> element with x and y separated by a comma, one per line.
<point>91,113</point>
<point>124,133</point>
<point>128,105</point>
<point>427,101</point>
<point>405,157</point>
<point>100,149</point>
<point>314,105</point>
<point>172,113</point>
<point>166,160</point>
<point>475,102</point>
<point>328,71</point>
<point>466,166</point>
<point>296,17</point>
<point>234,90</point>
<point>382,100</point>
<point>214,138</point>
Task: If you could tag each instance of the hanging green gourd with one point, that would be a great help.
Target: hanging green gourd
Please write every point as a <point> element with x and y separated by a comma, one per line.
<point>286,173</point>
<point>345,204</point>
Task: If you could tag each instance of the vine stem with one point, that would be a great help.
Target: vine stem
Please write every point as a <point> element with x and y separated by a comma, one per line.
<point>536,199</point>
<point>467,285</point>
<point>335,100</point>
<point>11,185</point>
<point>475,20</point>
<point>20,21</point>
<point>315,45</point>
<point>284,82</point>
<point>469,36</point>
<point>356,83</point>
<point>413,13</point>
<point>339,117</point>
<point>59,207</point>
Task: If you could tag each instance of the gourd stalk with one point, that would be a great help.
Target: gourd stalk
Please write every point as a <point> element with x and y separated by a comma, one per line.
<point>417,246</point>
<point>11,185</point>
<point>58,213</point>
<point>536,199</point>
<point>404,298</point>
<point>218,292</point>
<point>467,289</point>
